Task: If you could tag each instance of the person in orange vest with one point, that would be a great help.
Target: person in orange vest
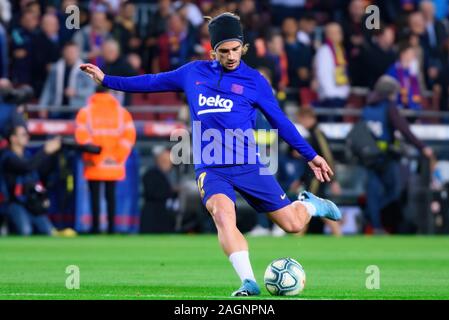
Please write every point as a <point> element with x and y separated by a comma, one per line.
<point>105,123</point>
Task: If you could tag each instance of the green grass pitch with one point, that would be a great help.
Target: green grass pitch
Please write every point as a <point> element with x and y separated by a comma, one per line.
<point>194,267</point>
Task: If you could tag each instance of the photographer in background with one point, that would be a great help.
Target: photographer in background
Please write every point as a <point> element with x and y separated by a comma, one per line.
<point>382,117</point>
<point>27,198</point>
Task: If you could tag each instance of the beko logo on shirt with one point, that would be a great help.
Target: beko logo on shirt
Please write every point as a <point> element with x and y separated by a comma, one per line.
<point>221,104</point>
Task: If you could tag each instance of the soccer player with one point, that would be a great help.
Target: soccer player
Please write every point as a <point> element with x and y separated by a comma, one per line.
<point>223,95</point>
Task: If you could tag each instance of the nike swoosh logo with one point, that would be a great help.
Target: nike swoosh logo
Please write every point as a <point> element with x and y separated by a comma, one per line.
<point>283,196</point>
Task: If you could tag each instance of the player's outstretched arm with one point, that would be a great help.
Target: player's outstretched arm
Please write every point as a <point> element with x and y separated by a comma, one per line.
<point>160,82</point>
<point>93,71</point>
<point>321,169</point>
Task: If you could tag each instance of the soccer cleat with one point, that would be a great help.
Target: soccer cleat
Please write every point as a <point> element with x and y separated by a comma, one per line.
<point>248,288</point>
<point>324,208</point>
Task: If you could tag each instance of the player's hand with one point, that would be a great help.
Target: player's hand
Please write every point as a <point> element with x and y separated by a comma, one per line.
<point>321,169</point>
<point>93,71</point>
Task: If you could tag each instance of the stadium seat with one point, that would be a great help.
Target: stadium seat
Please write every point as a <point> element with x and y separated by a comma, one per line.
<point>155,99</point>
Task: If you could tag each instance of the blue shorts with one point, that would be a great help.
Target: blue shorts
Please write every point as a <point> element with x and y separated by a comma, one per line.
<point>262,192</point>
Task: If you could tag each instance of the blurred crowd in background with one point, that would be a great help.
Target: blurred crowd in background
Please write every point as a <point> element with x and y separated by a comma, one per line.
<point>286,38</point>
<point>317,54</point>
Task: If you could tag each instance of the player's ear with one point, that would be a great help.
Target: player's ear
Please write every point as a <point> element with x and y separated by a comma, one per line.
<point>245,48</point>
<point>213,54</point>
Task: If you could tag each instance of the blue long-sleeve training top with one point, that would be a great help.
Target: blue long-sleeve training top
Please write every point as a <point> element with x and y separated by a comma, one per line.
<point>223,109</point>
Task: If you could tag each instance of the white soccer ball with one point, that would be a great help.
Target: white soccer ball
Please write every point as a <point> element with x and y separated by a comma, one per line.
<point>285,277</point>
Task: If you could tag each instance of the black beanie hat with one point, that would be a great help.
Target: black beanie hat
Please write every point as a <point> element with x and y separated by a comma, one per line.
<point>225,27</point>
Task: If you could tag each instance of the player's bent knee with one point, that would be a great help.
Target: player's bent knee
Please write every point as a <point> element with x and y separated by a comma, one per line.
<point>220,207</point>
<point>222,214</point>
<point>293,227</point>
